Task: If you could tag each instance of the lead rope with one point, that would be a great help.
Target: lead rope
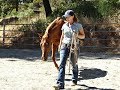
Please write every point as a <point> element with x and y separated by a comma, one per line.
<point>73,49</point>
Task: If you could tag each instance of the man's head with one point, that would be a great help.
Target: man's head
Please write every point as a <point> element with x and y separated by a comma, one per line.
<point>70,16</point>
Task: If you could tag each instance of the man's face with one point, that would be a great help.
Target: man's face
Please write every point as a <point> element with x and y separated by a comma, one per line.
<point>70,19</point>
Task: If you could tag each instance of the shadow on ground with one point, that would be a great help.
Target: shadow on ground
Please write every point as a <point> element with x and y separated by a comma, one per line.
<point>97,56</point>
<point>85,87</point>
<point>35,54</point>
<point>89,73</point>
<point>26,54</point>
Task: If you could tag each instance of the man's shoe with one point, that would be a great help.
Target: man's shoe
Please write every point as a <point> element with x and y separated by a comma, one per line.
<point>57,87</point>
<point>74,83</point>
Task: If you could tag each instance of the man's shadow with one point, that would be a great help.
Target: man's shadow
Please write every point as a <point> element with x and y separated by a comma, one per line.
<point>90,73</point>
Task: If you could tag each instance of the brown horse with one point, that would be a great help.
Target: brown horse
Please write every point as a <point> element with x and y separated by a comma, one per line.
<point>51,39</point>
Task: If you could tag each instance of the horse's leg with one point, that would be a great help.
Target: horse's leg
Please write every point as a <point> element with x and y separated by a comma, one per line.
<point>54,48</point>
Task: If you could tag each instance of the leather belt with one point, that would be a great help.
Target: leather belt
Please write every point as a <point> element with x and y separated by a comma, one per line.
<point>66,45</point>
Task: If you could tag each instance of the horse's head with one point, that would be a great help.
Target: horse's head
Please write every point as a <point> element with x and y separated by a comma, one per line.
<point>45,47</point>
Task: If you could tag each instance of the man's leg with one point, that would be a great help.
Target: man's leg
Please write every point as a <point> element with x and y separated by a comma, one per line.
<point>61,75</point>
<point>74,58</point>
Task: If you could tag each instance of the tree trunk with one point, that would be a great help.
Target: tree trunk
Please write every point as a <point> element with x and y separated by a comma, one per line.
<point>17,4</point>
<point>47,7</point>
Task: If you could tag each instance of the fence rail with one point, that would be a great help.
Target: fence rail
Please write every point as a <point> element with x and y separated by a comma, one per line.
<point>26,36</point>
<point>11,35</point>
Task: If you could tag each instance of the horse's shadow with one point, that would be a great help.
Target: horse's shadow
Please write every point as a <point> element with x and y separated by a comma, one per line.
<point>86,73</point>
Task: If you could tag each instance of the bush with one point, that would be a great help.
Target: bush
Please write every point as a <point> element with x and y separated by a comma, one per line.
<point>41,25</point>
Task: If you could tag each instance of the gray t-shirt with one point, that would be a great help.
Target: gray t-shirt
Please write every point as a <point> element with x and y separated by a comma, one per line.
<point>68,31</point>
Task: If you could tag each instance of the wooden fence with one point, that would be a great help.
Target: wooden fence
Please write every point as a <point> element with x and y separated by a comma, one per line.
<point>19,36</point>
<point>26,36</point>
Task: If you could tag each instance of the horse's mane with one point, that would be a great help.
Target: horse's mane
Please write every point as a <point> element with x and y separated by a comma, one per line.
<point>51,25</point>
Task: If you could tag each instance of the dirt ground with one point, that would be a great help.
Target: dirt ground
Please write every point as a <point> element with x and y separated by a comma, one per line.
<point>22,69</point>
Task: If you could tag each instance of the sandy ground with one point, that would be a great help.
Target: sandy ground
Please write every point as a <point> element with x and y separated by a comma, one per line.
<point>23,70</point>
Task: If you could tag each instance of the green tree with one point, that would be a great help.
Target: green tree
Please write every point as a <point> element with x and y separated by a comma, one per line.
<point>89,8</point>
<point>107,7</point>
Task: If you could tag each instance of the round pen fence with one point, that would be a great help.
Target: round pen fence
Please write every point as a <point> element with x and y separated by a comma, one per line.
<point>99,37</point>
<point>19,36</point>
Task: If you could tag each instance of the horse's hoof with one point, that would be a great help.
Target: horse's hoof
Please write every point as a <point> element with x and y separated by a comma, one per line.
<point>44,59</point>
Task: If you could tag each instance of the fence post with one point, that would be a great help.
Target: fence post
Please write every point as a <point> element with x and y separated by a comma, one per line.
<point>3,34</point>
<point>33,37</point>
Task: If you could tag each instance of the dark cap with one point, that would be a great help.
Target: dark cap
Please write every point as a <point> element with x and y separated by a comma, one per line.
<point>68,13</point>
